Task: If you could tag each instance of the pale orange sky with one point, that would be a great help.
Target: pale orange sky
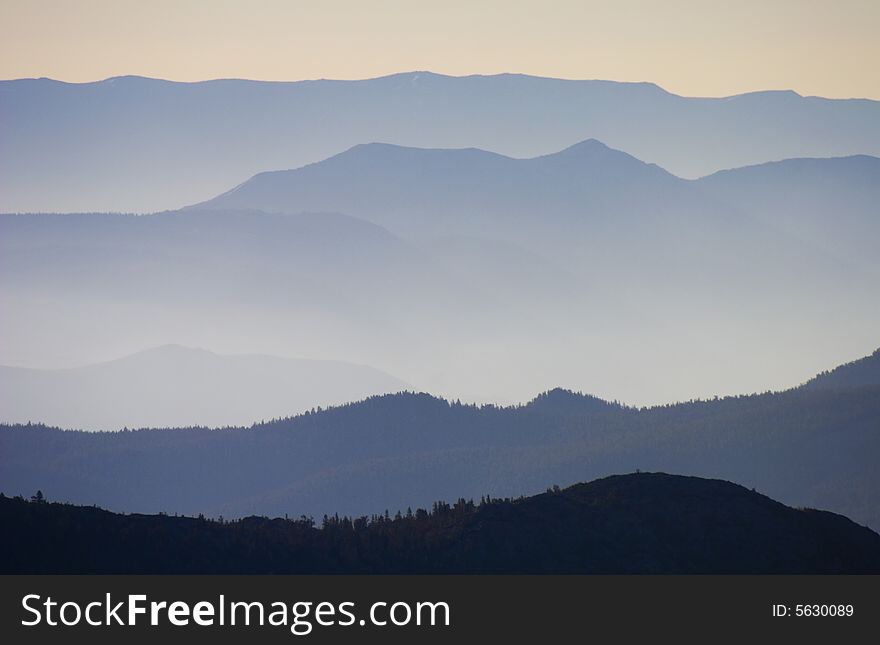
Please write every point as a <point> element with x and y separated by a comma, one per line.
<point>690,47</point>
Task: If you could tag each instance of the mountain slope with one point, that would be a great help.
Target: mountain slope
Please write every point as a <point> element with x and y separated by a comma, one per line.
<point>179,386</point>
<point>859,373</point>
<point>629,524</point>
<point>62,140</point>
<point>828,204</point>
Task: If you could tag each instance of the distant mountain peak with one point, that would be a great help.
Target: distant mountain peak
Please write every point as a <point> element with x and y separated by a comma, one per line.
<point>372,146</point>
<point>382,147</point>
<point>591,150</point>
<point>413,75</point>
<point>598,156</point>
<point>765,93</point>
<point>131,77</point>
<point>586,146</point>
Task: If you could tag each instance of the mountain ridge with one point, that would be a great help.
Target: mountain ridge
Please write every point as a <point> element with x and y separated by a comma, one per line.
<point>197,139</point>
<point>805,447</point>
<point>398,187</point>
<point>585,150</point>
<point>578,202</point>
<point>415,74</point>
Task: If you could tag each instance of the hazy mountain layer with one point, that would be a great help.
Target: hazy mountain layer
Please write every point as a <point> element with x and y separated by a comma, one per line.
<point>315,286</point>
<point>138,144</point>
<point>477,276</point>
<point>178,386</point>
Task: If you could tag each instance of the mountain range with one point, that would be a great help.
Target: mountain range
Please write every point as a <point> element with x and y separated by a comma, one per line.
<point>480,238</point>
<point>141,144</point>
<point>586,268</point>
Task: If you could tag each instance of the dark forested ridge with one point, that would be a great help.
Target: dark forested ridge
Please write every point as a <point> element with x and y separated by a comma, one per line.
<point>813,447</point>
<point>640,523</point>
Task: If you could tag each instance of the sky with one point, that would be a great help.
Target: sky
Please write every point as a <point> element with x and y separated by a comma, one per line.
<point>690,47</point>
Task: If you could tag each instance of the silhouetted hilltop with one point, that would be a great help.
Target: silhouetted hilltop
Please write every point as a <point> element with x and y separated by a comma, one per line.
<point>641,523</point>
<point>861,372</point>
